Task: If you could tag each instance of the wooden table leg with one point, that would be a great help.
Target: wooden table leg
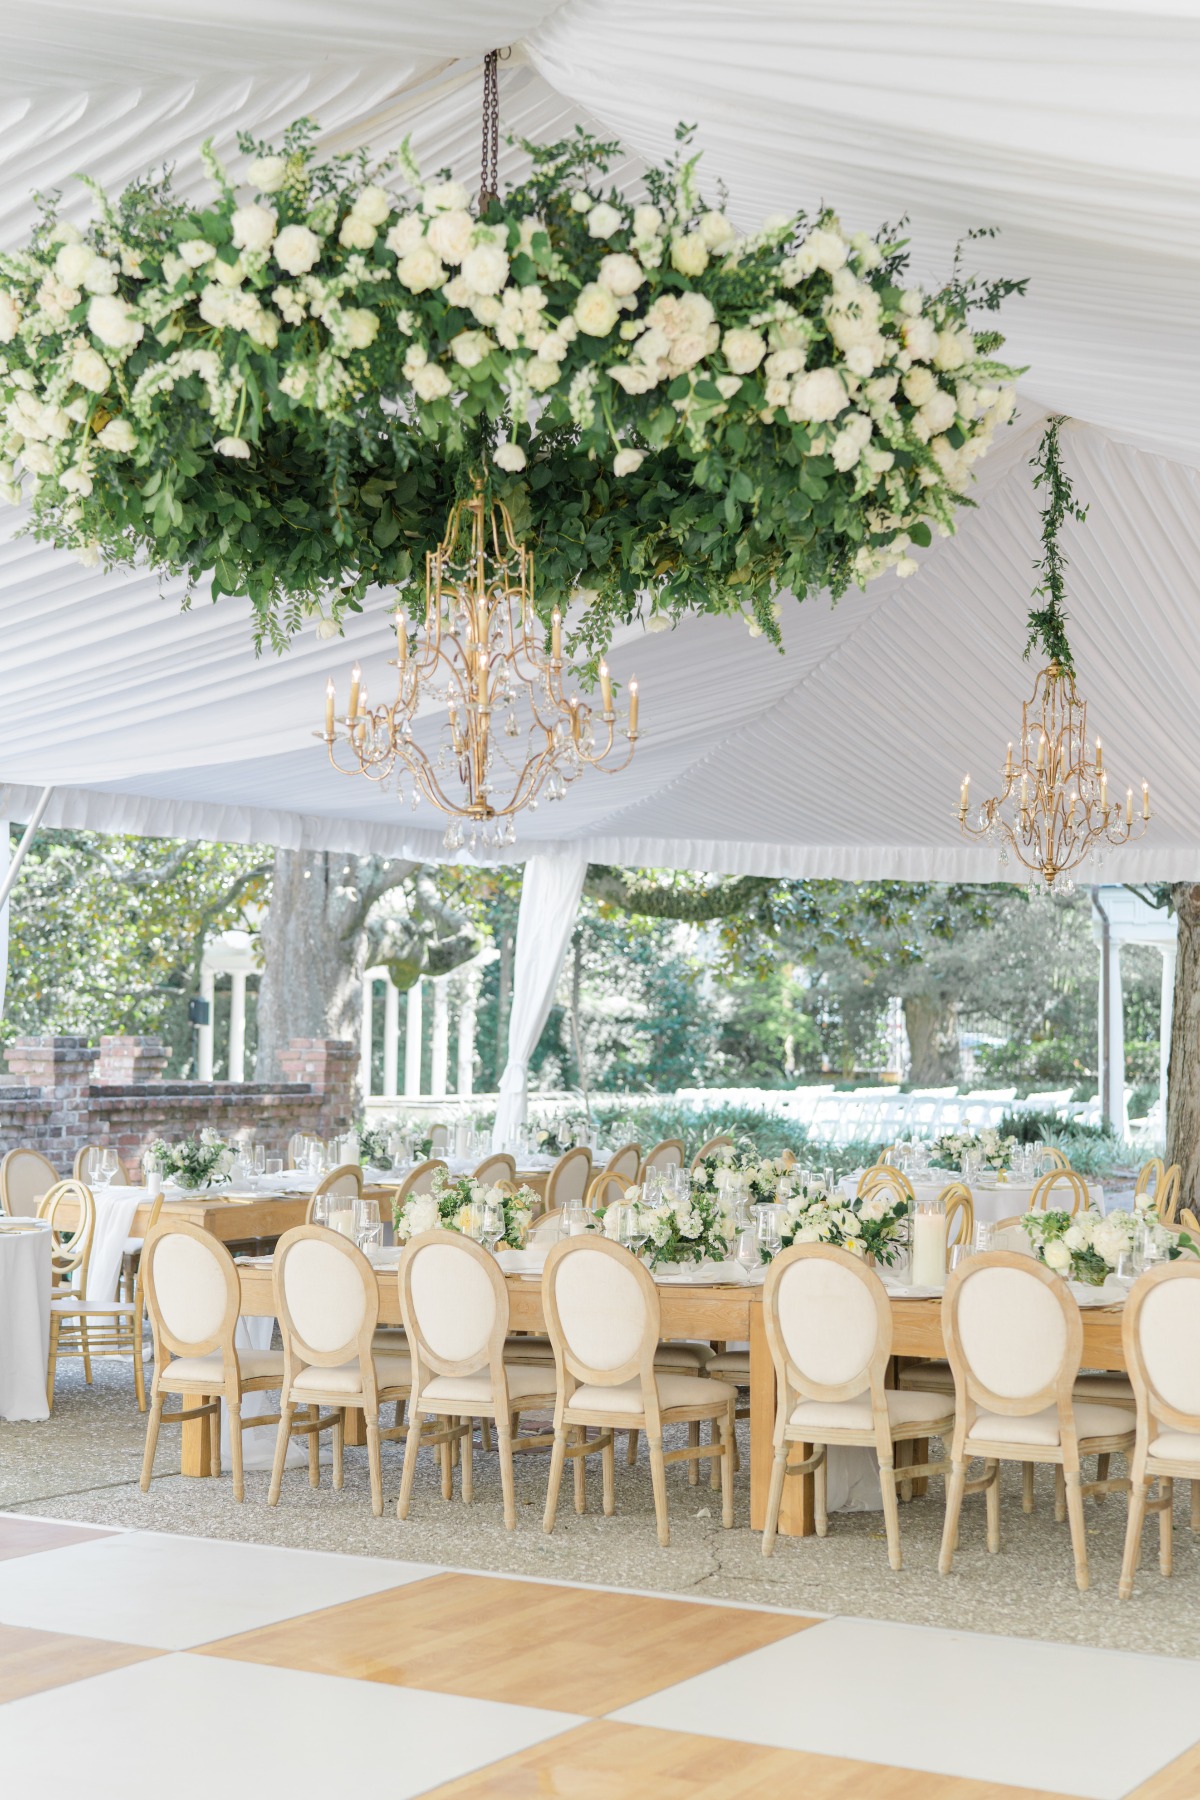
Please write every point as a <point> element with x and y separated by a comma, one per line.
<point>797,1508</point>
<point>356,1425</point>
<point>196,1453</point>
<point>920,1454</point>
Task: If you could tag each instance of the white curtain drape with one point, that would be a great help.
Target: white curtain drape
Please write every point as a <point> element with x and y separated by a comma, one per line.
<point>5,855</point>
<point>550,894</point>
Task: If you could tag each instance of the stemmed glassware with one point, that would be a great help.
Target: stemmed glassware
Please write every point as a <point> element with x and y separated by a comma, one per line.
<point>368,1227</point>
<point>493,1224</point>
<point>767,1228</point>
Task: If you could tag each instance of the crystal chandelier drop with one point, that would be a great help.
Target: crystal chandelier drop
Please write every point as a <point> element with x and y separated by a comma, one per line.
<point>1054,808</point>
<point>509,733</point>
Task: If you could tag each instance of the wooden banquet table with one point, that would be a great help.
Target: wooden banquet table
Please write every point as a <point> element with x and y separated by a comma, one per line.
<point>724,1313</point>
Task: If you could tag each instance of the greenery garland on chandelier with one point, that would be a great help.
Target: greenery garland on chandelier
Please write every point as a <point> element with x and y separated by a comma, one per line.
<point>284,390</point>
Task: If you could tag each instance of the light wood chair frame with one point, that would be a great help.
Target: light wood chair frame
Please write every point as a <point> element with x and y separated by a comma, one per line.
<point>970,1393</point>
<point>630,1153</point>
<point>1166,1195</point>
<point>502,1410</point>
<point>883,1175</point>
<point>792,1386</point>
<point>960,1210</point>
<point>649,1160</point>
<point>12,1160</point>
<point>415,1176</point>
<point>298,1356</point>
<point>551,1202</point>
<point>328,1185</point>
<point>1153,1412</point>
<point>603,1190</point>
<point>498,1167</point>
<point>168,1346</point>
<point>99,1327</point>
<point>1043,1197</point>
<point>1150,1177</point>
<point>571,1422</point>
<point>721,1142</point>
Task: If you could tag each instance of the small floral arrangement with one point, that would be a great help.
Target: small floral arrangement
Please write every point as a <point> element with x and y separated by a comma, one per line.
<point>561,1134</point>
<point>875,1227</point>
<point>1086,1246</point>
<point>373,1146</point>
<point>196,1162</point>
<point>992,1149</point>
<point>696,1229</point>
<point>766,1178</point>
<point>448,1205</point>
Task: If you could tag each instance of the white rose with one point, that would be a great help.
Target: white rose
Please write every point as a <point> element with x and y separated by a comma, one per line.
<point>195,252</point>
<point>581,201</point>
<point>90,370</point>
<point>119,436</point>
<point>595,310</point>
<point>920,339</point>
<point>233,446</point>
<point>73,262</point>
<point>328,628</point>
<point>228,274</point>
<point>920,385</point>
<point>827,248</point>
<point>10,318</point>
<point>647,221</point>
<point>362,326</point>
<point>626,461</point>
<point>603,220</point>
<point>953,348</point>
<point>420,270</point>
<point>1056,1255</point>
<point>509,456</point>
<point>100,276</point>
<point>446,196</point>
<point>296,249</point>
<point>717,232</point>
<point>356,233</point>
<point>470,347</point>
<point>743,350</point>
<point>620,274</point>
<point>38,458</point>
<point>267,173</point>
<point>430,382</point>
<point>851,441</point>
<point>817,396</point>
<point>938,412</point>
<point>486,268</point>
<point>689,255</point>
<point>87,554</point>
<point>76,481</point>
<point>860,361</point>
<point>728,385</point>
<point>110,320</point>
<point>540,374</point>
<point>254,226</point>
<point>406,234</point>
<point>373,204</point>
<point>450,234</point>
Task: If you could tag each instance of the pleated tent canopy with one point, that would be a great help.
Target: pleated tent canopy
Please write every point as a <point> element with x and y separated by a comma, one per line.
<point>1072,127</point>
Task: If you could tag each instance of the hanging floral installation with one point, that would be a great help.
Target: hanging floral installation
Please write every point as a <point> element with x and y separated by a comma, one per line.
<point>283,391</point>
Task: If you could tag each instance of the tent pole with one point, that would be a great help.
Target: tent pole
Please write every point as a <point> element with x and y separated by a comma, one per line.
<point>27,837</point>
<point>10,873</point>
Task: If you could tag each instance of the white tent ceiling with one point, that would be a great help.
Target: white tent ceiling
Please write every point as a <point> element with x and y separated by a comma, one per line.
<point>1071,126</point>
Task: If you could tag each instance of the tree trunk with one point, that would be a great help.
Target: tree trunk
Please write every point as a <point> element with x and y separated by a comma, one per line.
<point>1183,1078</point>
<point>312,944</point>
<point>932,1026</point>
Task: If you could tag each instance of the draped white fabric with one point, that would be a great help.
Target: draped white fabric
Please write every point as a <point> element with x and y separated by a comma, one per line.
<point>1069,125</point>
<point>550,893</point>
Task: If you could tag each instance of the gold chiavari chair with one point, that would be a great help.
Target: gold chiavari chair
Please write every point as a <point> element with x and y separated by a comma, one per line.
<point>1054,1158</point>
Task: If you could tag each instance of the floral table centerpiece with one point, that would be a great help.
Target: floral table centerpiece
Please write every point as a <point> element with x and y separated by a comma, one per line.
<point>559,1135</point>
<point>448,1205</point>
<point>765,1178</point>
<point>994,1151</point>
<point>194,1163</point>
<point>695,1229</point>
<point>1087,1246</point>
<point>373,1149</point>
<point>875,1228</point>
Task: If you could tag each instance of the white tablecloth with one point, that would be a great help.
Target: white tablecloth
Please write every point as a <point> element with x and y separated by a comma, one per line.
<point>24,1322</point>
<point>258,1444</point>
<point>115,1208</point>
<point>1005,1201</point>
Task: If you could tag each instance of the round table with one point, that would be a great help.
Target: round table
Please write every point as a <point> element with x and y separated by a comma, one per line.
<point>24,1318</point>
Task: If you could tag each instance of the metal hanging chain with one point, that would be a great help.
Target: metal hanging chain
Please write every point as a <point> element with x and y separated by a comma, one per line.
<point>489,172</point>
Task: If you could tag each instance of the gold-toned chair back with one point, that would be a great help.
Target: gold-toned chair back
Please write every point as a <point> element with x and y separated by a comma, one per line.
<point>70,1211</point>
<point>882,1176</point>
<point>1150,1177</point>
<point>1059,1190</point>
<point>25,1176</point>
<point>1166,1194</point>
<point>723,1142</point>
<point>960,1213</point>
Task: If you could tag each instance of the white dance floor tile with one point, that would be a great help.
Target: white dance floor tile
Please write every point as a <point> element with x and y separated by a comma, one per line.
<point>1092,1723</point>
<point>189,1727</point>
<point>171,1593</point>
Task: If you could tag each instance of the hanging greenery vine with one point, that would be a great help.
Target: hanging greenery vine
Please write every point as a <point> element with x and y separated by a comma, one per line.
<point>1048,622</point>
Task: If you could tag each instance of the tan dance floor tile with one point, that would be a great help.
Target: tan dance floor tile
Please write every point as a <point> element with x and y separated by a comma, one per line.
<point>32,1661</point>
<point>23,1537</point>
<point>569,1649</point>
<point>1180,1780</point>
<point>608,1761</point>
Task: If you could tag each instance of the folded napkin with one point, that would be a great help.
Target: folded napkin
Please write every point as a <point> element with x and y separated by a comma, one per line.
<point>385,1256</point>
<point>523,1262</point>
<point>708,1274</point>
<point>903,1290</point>
<point>1110,1294</point>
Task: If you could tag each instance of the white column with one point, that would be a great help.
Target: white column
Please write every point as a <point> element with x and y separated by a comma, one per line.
<point>204,1041</point>
<point>1166,1015</point>
<point>391,1038</point>
<point>237,1026</point>
<point>412,1042</point>
<point>440,1057</point>
<point>366,1034</point>
<point>465,1083</point>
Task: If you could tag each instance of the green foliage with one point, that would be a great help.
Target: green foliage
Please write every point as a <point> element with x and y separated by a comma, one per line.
<point>1048,622</point>
<point>283,398</point>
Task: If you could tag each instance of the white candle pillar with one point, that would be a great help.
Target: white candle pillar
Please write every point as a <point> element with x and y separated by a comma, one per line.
<point>440,1058</point>
<point>412,1042</point>
<point>237,1026</point>
<point>204,1036</point>
<point>391,1039</point>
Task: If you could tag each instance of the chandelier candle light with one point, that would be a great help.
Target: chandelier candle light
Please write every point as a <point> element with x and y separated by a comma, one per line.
<point>480,655</point>
<point>1054,808</point>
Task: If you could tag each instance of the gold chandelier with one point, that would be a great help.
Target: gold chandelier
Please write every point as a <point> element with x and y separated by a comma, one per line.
<point>1054,808</point>
<point>510,732</point>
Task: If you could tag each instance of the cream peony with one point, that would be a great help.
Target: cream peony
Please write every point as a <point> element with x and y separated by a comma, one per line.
<point>362,326</point>
<point>254,227</point>
<point>604,219</point>
<point>595,310</point>
<point>938,412</point>
<point>328,628</point>
<point>195,252</point>
<point>38,459</point>
<point>445,196</point>
<point>100,277</point>
<point>76,481</point>
<point>267,173</point>
<point>73,262</point>
<point>509,456</point>
<point>470,347</point>
<point>420,270</point>
<point>373,204</point>
<point>920,339</point>
<point>111,321</point>
<point>817,396</point>
<point>716,231</point>
<point>450,234</point>
<point>851,441</point>
<point>118,435</point>
<point>296,249</point>
<point>647,221</point>
<point>689,255</point>
<point>10,318</point>
<point>356,233</point>
<point>953,348</point>
<point>827,248</point>
<point>919,385</point>
<point>486,268</point>
<point>406,234</point>
<point>626,461</point>
<point>236,447</point>
<point>430,382</point>
<point>90,370</point>
<point>620,274</point>
<point>743,350</point>
<point>540,374</point>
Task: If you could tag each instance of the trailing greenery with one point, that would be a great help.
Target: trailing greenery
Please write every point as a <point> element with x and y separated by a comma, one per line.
<point>1048,622</point>
<point>281,395</point>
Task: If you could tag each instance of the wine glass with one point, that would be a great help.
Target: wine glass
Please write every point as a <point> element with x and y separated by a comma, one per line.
<point>93,1163</point>
<point>368,1226</point>
<point>260,1161</point>
<point>745,1249</point>
<point>493,1224</point>
<point>652,1189</point>
<point>108,1166</point>
<point>319,1210</point>
<point>767,1228</point>
<point>636,1229</point>
<point>274,1167</point>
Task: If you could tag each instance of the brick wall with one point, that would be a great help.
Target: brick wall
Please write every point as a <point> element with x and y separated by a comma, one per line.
<point>68,1094</point>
